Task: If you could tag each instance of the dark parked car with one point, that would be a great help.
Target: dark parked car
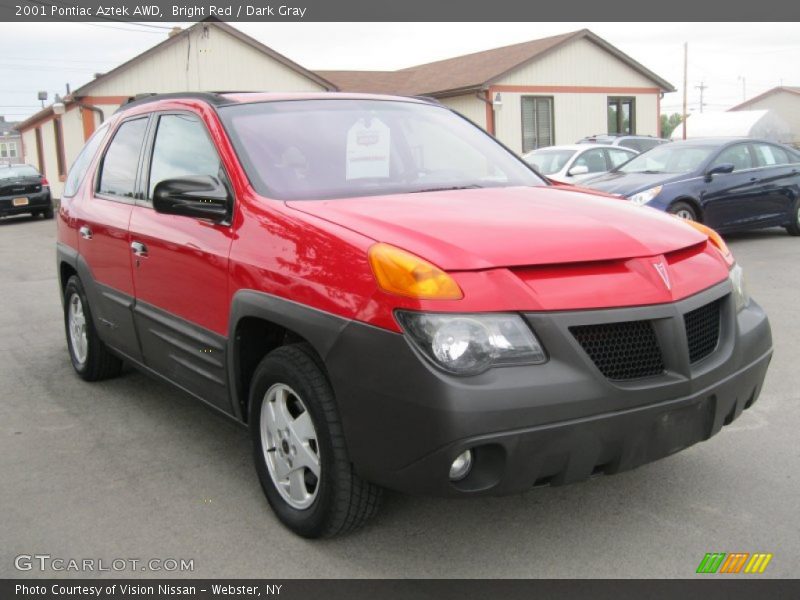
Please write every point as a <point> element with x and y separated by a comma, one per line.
<point>24,190</point>
<point>728,184</point>
<point>640,143</point>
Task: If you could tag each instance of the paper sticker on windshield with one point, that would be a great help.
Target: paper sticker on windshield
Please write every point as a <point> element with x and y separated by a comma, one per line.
<point>368,149</point>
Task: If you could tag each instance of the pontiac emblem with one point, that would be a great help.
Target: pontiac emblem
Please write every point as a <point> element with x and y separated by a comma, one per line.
<point>661,269</point>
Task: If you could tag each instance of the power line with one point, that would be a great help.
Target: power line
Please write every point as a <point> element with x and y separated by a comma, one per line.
<point>120,28</point>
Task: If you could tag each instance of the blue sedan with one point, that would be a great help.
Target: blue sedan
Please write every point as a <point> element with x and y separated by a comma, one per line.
<point>727,183</point>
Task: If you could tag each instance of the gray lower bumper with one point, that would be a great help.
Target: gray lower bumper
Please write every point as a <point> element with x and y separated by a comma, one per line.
<point>405,421</point>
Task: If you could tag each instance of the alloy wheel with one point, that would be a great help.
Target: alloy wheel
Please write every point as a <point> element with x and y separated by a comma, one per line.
<point>76,321</point>
<point>290,446</point>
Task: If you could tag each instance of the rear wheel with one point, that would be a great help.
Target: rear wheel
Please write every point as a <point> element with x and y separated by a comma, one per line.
<point>300,454</point>
<point>90,357</point>
<point>794,227</point>
<point>684,210</point>
<point>48,213</point>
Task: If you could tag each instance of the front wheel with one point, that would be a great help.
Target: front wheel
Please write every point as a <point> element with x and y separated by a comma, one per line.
<point>300,454</point>
<point>91,359</point>
<point>794,227</point>
<point>684,210</point>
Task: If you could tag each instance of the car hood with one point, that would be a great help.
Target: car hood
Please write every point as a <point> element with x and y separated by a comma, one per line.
<point>506,227</point>
<point>627,184</point>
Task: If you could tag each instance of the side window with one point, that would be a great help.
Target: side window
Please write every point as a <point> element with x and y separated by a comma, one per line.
<point>182,148</point>
<point>81,164</point>
<point>769,155</point>
<point>739,155</point>
<point>118,172</point>
<point>593,159</point>
<point>617,157</point>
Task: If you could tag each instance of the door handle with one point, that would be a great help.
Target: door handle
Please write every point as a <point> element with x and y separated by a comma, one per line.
<point>85,232</point>
<point>139,249</point>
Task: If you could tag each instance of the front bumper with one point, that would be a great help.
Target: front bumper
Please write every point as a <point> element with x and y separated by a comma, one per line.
<point>37,202</point>
<point>561,422</point>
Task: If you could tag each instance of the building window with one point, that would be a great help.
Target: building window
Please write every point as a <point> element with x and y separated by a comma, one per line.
<point>3,150</point>
<point>537,122</point>
<point>39,149</point>
<point>621,115</point>
<point>8,149</point>
<point>61,161</point>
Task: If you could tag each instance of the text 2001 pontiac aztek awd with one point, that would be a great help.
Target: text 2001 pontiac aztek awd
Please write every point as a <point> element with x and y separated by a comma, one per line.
<point>388,297</point>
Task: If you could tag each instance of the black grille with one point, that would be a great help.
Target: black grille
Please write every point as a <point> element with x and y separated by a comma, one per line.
<point>702,331</point>
<point>626,350</point>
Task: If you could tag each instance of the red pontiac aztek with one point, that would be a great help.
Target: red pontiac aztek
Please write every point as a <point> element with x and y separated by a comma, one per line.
<point>388,297</point>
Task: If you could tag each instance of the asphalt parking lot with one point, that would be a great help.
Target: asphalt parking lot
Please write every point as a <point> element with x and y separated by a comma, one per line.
<point>131,468</point>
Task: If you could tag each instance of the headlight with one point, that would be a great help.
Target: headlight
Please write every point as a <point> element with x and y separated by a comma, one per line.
<point>645,196</point>
<point>469,344</point>
<point>740,295</point>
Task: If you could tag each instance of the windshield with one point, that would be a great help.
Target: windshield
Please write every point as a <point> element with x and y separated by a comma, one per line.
<point>668,158</point>
<point>18,171</point>
<point>548,162</point>
<point>314,149</point>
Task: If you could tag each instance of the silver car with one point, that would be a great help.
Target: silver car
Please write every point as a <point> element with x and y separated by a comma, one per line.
<point>578,162</point>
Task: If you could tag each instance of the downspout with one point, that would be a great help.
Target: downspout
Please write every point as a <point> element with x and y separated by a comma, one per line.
<point>485,95</point>
<point>99,112</point>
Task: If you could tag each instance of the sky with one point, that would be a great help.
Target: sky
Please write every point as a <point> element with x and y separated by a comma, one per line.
<point>733,60</point>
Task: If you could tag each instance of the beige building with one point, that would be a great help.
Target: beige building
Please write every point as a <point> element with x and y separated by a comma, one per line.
<point>539,93</point>
<point>549,91</point>
<point>783,101</point>
<point>210,55</point>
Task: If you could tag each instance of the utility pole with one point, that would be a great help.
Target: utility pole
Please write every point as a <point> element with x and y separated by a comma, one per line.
<point>685,83</point>
<point>702,87</point>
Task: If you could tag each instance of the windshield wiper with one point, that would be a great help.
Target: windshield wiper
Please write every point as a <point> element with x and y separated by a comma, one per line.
<point>471,186</point>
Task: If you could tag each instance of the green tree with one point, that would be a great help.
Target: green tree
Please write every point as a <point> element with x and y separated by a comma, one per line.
<point>669,123</point>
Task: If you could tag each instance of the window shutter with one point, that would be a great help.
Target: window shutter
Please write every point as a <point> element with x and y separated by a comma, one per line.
<point>537,122</point>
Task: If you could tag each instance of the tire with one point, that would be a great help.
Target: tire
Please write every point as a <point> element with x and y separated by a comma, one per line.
<point>48,213</point>
<point>90,357</point>
<point>794,227</point>
<point>332,502</point>
<point>683,210</point>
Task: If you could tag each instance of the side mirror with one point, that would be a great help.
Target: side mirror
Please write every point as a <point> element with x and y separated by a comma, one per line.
<point>202,197</point>
<point>721,168</point>
<point>578,170</point>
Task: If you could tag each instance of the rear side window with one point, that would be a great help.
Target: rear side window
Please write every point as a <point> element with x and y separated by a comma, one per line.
<point>118,173</point>
<point>182,148</point>
<point>769,155</point>
<point>81,164</point>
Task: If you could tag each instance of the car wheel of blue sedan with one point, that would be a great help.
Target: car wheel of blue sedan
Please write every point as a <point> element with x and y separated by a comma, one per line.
<point>794,227</point>
<point>683,210</point>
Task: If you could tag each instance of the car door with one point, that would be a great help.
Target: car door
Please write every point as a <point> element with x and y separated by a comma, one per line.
<point>102,219</point>
<point>733,200</point>
<point>181,266</point>
<point>779,174</point>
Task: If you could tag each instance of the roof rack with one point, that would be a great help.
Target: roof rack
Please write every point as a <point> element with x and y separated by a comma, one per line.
<point>213,98</point>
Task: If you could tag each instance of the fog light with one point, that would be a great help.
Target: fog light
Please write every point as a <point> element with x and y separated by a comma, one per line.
<point>461,466</point>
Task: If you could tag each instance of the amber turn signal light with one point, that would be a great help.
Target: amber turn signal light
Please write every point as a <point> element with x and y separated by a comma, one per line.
<point>402,273</point>
<point>714,238</point>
